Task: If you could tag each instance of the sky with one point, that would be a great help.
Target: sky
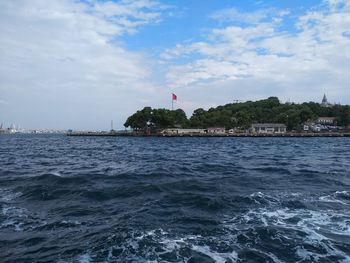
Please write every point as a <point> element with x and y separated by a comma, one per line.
<point>69,64</point>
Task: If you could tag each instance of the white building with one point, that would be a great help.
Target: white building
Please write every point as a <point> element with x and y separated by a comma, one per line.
<point>216,130</point>
<point>326,120</point>
<point>269,128</point>
<point>178,131</point>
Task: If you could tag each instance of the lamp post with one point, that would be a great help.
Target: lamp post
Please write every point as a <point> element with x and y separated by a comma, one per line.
<point>148,131</point>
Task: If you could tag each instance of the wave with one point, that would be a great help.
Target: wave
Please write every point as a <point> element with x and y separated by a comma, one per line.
<point>341,197</point>
<point>7,195</point>
<point>270,233</point>
<point>310,235</point>
<point>160,246</point>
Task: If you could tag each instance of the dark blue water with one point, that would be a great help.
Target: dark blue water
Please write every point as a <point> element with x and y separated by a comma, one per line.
<point>66,199</point>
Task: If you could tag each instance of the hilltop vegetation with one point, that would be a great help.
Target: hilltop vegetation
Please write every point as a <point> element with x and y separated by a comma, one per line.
<point>157,118</point>
<point>239,115</point>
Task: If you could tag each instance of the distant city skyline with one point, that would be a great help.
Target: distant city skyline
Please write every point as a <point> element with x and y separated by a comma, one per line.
<point>80,64</point>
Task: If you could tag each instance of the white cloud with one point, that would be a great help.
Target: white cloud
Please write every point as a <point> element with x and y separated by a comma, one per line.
<point>128,15</point>
<point>62,66</point>
<point>299,64</point>
<point>255,17</point>
<point>63,63</point>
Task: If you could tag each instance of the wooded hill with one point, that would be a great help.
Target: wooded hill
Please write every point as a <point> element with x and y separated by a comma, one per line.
<point>239,115</point>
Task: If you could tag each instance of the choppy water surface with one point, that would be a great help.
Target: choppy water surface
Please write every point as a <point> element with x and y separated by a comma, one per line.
<point>66,199</point>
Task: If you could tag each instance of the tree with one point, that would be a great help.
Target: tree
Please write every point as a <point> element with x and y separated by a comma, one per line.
<point>293,119</point>
<point>140,119</point>
<point>180,118</point>
<point>239,115</point>
<point>344,116</point>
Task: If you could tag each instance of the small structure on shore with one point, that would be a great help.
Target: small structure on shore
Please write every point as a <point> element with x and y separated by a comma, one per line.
<point>326,120</point>
<point>196,131</point>
<point>93,133</point>
<point>179,131</point>
<point>268,128</point>
<point>216,130</point>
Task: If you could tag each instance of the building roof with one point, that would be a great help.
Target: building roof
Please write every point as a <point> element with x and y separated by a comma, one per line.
<point>183,129</point>
<point>273,125</point>
<point>326,118</point>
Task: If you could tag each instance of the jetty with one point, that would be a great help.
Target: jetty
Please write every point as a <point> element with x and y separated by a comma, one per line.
<point>254,135</point>
<point>92,133</point>
<point>304,135</point>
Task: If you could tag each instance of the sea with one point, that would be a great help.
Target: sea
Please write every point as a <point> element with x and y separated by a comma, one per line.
<point>155,199</point>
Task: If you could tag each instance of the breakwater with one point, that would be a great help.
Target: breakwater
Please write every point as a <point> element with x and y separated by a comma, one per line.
<point>129,134</point>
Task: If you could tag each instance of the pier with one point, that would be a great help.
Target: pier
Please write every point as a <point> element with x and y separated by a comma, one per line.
<point>284,135</point>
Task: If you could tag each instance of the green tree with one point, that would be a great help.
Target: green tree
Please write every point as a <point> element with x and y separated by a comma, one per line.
<point>140,119</point>
<point>239,115</point>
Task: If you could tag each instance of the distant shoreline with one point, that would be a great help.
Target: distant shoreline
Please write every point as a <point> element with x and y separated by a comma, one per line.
<point>288,135</point>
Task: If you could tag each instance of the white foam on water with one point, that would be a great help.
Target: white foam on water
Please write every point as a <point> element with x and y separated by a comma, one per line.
<point>19,219</point>
<point>314,224</point>
<point>315,239</point>
<point>14,217</point>
<point>259,194</point>
<point>343,193</point>
<point>307,255</point>
<point>335,223</point>
<point>12,223</point>
<point>14,211</point>
<point>331,199</point>
<point>191,242</point>
<point>257,197</point>
<point>86,258</point>
<point>166,243</point>
<point>218,257</point>
<point>56,174</point>
<point>336,197</point>
<point>260,198</point>
<point>270,255</point>
<point>7,195</point>
<point>318,229</point>
<point>294,194</point>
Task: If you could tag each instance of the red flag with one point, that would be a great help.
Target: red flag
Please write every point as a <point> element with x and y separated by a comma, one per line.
<point>174,96</point>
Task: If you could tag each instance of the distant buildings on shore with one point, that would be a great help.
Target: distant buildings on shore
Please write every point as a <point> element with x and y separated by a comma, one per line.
<point>257,128</point>
<point>16,130</point>
<point>268,128</point>
<point>11,129</point>
<point>180,131</point>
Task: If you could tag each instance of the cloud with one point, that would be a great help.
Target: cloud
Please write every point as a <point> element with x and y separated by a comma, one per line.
<point>130,14</point>
<point>300,63</point>
<point>64,58</point>
<point>232,15</point>
<point>66,64</point>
